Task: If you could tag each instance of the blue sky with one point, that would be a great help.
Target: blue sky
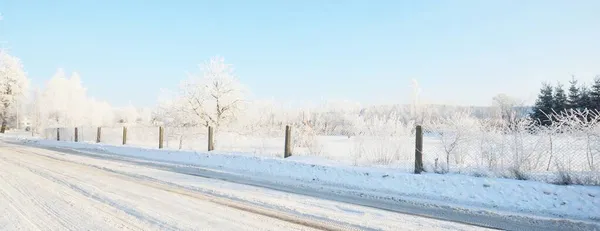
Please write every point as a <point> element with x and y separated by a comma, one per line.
<point>461,52</point>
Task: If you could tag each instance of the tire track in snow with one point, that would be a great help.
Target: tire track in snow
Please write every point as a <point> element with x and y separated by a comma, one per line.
<point>11,203</point>
<point>95,197</point>
<point>150,182</point>
<point>290,216</point>
<point>35,205</point>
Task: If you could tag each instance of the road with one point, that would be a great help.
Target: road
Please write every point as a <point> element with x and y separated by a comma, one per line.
<point>50,190</point>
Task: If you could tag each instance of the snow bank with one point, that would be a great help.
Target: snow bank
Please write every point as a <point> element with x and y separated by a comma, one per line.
<point>490,194</point>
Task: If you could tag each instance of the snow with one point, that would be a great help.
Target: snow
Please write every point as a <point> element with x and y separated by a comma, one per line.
<point>45,189</point>
<point>495,195</point>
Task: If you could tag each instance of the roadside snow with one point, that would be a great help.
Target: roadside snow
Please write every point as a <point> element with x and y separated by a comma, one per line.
<point>464,192</point>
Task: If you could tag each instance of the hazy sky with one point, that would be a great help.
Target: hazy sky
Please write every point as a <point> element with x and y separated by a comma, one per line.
<point>461,52</point>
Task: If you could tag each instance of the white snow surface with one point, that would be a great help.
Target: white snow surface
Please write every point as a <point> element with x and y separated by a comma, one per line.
<point>495,195</point>
<point>48,190</point>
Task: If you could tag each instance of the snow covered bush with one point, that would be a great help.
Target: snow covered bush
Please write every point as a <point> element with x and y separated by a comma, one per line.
<point>383,141</point>
<point>304,140</point>
<point>454,133</point>
<point>578,144</point>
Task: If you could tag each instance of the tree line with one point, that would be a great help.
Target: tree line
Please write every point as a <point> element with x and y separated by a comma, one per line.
<point>554,100</point>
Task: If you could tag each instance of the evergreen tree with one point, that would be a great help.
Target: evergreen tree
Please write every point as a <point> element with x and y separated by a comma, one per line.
<point>574,97</point>
<point>595,94</point>
<point>585,102</point>
<point>543,105</point>
<point>560,99</point>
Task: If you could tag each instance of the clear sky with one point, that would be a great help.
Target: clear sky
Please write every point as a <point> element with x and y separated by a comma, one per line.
<point>461,52</point>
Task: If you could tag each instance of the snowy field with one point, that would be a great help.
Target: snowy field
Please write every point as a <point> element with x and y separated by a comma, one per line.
<point>559,159</point>
<point>459,191</point>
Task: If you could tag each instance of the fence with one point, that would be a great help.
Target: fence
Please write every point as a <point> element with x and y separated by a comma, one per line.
<point>556,157</point>
<point>561,157</point>
<point>174,138</point>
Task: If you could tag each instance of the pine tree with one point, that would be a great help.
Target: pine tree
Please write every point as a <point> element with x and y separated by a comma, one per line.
<point>595,94</point>
<point>560,99</point>
<point>574,96</point>
<point>543,105</point>
<point>585,102</point>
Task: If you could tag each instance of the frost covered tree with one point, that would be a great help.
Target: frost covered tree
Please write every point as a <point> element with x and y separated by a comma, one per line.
<point>262,117</point>
<point>65,104</point>
<point>416,108</point>
<point>55,99</point>
<point>77,102</point>
<point>212,99</point>
<point>35,111</point>
<point>99,113</point>
<point>13,85</point>
<point>172,112</point>
<point>508,109</point>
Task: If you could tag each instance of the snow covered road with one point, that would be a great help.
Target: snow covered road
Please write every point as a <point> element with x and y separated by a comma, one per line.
<point>49,190</point>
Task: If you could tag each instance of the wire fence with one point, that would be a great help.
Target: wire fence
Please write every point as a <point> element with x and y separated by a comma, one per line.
<point>556,157</point>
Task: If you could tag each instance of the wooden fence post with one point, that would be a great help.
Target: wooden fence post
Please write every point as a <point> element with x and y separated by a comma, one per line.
<point>419,149</point>
<point>76,135</point>
<point>57,134</point>
<point>211,139</point>
<point>98,135</point>
<point>288,147</point>
<point>124,135</point>
<point>161,134</point>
